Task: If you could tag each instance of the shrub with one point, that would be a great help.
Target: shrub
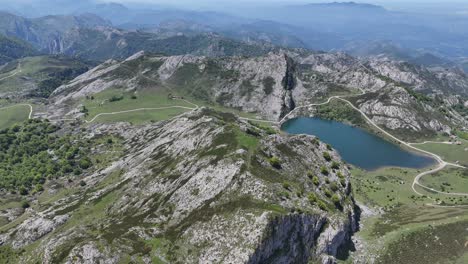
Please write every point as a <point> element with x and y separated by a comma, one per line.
<point>316,180</point>
<point>85,163</point>
<point>310,174</point>
<point>275,162</point>
<point>38,188</point>
<point>116,98</point>
<point>312,198</point>
<point>287,185</point>
<point>268,84</point>
<point>324,170</point>
<point>23,190</point>
<point>327,193</point>
<point>82,183</point>
<point>334,186</point>
<point>284,195</point>
<point>133,97</point>
<point>335,165</point>
<point>340,175</point>
<point>327,156</point>
<point>322,205</point>
<point>25,205</point>
<point>336,199</point>
<point>343,182</point>
<point>329,147</point>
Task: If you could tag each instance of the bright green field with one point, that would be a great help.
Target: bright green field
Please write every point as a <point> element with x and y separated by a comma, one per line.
<point>13,115</point>
<point>405,229</point>
<point>101,103</point>
<point>449,153</point>
<point>448,180</point>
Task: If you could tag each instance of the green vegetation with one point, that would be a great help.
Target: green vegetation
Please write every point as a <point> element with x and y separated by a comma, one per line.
<point>32,153</point>
<point>335,165</point>
<point>447,180</point>
<point>418,96</point>
<point>324,170</point>
<point>13,115</point>
<point>12,48</point>
<point>275,162</point>
<point>316,180</point>
<point>268,84</point>
<point>287,185</point>
<point>462,134</point>
<point>450,153</point>
<point>409,231</point>
<point>45,72</point>
<point>336,199</point>
<point>312,198</point>
<point>339,111</point>
<point>327,156</point>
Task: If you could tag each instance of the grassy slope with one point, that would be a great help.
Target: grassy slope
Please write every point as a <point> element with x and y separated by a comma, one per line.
<point>144,99</point>
<point>11,49</point>
<point>448,180</point>
<point>13,115</point>
<point>33,71</point>
<point>450,153</point>
<point>406,230</point>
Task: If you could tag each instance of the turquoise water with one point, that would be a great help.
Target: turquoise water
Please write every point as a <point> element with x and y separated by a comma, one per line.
<point>357,146</point>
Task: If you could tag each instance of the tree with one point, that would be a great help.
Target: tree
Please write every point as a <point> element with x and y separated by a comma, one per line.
<point>85,163</point>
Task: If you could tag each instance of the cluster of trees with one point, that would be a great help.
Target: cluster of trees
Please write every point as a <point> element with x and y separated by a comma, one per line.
<point>56,79</point>
<point>12,48</point>
<point>33,152</point>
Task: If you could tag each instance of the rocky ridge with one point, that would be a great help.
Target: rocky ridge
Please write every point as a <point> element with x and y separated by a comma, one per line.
<point>203,187</point>
<point>275,84</point>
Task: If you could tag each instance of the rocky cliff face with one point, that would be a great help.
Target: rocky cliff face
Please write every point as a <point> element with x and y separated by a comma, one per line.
<point>275,84</point>
<point>201,188</point>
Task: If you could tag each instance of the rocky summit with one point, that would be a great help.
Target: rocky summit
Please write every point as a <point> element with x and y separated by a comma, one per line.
<point>206,187</point>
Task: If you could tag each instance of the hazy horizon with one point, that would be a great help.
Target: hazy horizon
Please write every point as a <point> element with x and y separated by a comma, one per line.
<point>429,6</point>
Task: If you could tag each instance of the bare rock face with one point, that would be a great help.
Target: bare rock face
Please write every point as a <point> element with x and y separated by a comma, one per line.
<point>32,229</point>
<point>204,187</point>
<point>275,84</point>
<point>395,109</point>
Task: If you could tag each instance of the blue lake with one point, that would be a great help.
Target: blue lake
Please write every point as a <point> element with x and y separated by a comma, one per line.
<point>357,146</point>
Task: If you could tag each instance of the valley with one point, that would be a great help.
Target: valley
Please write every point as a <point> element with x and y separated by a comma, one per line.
<point>387,188</point>
<point>182,136</point>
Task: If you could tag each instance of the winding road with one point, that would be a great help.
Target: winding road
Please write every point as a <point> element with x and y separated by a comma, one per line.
<point>18,70</point>
<point>137,110</point>
<point>16,105</point>
<point>441,162</point>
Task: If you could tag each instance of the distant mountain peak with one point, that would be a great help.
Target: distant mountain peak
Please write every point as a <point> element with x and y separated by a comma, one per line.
<point>350,4</point>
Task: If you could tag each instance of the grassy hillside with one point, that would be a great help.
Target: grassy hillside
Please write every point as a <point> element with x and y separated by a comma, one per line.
<point>403,228</point>
<point>13,115</point>
<point>95,45</point>
<point>38,76</point>
<point>11,49</point>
